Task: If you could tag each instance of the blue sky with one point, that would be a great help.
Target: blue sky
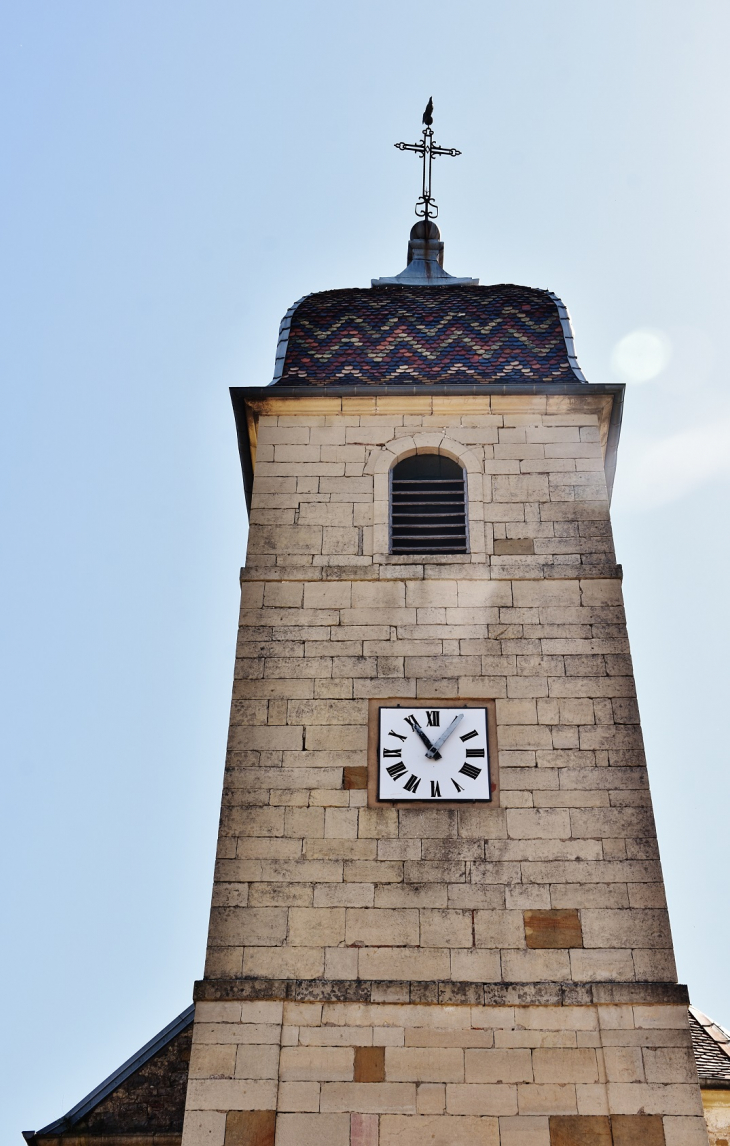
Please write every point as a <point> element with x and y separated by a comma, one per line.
<point>173,176</point>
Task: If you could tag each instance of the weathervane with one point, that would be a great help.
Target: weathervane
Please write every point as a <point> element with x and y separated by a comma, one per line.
<point>426,207</point>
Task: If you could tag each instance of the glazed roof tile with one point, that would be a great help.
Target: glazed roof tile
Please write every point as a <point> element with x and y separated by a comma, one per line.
<point>397,334</point>
<point>711,1046</point>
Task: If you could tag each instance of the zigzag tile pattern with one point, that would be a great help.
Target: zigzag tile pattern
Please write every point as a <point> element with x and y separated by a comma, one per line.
<point>409,334</point>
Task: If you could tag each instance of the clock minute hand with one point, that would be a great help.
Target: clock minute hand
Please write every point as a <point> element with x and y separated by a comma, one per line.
<point>433,753</point>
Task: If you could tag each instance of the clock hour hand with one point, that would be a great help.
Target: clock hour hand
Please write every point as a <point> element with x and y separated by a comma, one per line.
<point>433,753</point>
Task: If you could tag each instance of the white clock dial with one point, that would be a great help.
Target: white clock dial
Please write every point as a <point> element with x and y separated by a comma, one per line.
<point>432,754</point>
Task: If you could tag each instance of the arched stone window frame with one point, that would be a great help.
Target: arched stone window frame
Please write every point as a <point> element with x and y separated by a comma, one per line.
<point>381,462</point>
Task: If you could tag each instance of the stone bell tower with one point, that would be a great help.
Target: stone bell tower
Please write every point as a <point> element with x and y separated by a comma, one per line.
<point>438,913</point>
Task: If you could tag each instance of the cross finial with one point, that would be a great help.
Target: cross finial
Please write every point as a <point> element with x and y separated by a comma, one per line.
<point>426,207</point>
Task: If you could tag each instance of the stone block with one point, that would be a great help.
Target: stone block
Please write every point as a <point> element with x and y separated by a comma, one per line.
<point>530,1131</point>
<point>299,1096</point>
<point>637,1130</point>
<point>316,1064</point>
<point>343,895</point>
<point>623,1064</point>
<point>355,778</point>
<point>481,1100</point>
<point>369,1098</point>
<point>415,964</point>
<point>499,929</point>
<point>535,966</point>
<point>381,926</point>
<point>498,1066</point>
<point>313,1130</point>
<point>538,823</point>
<point>633,928</point>
<point>554,1065</point>
<point>547,1098</point>
<point>211,1061</point>
<point>257,1061</point>
<point>363,1129</point>
<point>283,962</point>
<point>431,1098</point>
<point>580,1130</point>
<point>227,1094</point>
<point>669,1064</point>
<point>369,1064</point>
<point>470,966</point>
<point>438,1130</point>
<point>316,927</point>
<point>326,1036</point>
<point>599,966</point>
<point>427,1064</point>
<point>446,928</point>
<point>204,1128</point>
<point>250,1128</point>
<point>555,928</point>
<point>685,1131</point>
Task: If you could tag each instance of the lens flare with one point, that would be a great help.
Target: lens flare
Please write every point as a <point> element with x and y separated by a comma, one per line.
<point>642,355</point>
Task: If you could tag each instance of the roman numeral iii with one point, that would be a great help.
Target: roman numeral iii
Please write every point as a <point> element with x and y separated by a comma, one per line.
<point>475,751</point>
<point>470,771</point>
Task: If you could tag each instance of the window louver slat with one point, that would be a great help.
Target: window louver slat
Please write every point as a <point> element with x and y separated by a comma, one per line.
<point>428,506</point>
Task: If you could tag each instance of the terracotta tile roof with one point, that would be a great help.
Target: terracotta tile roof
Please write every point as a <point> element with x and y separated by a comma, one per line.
<point>711,1046</point>
<point>396,334</point>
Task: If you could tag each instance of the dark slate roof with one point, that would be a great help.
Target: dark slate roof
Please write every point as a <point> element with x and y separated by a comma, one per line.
<point>711,1046</point>
<point>145,1095</point>
<point>397,334</point>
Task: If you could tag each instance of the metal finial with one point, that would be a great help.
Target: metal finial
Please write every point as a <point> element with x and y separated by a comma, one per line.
<point>426,207</point>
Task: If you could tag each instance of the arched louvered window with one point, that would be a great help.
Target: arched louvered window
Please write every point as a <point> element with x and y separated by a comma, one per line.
<point>428,506</point>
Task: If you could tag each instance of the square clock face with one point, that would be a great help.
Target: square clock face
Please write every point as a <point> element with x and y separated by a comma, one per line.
<point>431,754</point>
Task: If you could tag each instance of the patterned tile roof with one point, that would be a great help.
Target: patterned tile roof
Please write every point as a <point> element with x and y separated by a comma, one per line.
<point>711,1046</point>
<point>397,334</point>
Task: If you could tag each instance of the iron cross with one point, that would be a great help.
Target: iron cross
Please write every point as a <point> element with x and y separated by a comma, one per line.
<point>426,207</point>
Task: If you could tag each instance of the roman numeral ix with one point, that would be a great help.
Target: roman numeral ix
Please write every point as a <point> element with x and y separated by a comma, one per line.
<point>396,752</point>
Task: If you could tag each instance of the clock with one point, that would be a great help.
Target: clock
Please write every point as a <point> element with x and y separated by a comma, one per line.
<point>433,754</point>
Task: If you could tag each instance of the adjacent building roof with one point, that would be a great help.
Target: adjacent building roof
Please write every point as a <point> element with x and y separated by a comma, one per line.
<point>711,1046</point>
<point>145,1096</point>
<point>401,334</point>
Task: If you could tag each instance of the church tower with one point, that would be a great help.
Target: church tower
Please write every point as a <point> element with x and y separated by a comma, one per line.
<point>438,913</point>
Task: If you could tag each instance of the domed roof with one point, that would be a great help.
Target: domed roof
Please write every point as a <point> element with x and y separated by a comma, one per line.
<point>404,334</point>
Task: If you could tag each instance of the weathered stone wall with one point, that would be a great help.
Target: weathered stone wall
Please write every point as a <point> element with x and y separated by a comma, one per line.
<point>559,885</point>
